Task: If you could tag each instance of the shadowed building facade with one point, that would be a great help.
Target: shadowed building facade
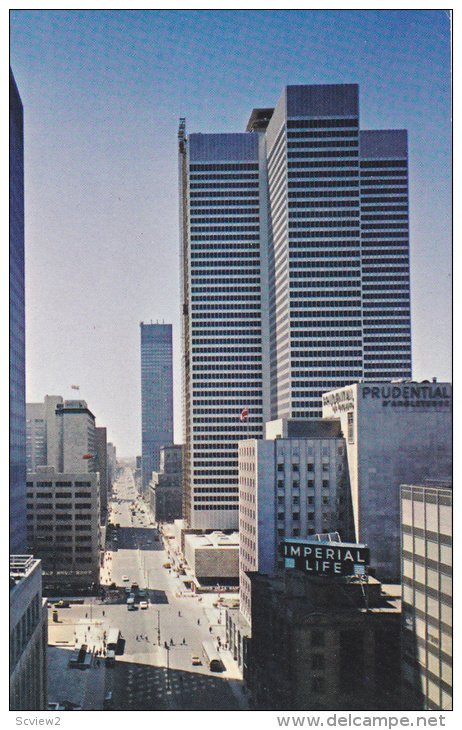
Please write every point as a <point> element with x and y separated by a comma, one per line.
<point>17,348</point>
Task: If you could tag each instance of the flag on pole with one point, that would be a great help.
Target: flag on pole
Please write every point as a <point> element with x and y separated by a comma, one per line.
<point>75,387</point>
<point>244,414</point>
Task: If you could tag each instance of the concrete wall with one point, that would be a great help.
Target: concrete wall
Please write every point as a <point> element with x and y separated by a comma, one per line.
<point>395,440</point>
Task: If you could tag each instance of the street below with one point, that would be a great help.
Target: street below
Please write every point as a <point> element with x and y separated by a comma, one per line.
<point>153,668</point>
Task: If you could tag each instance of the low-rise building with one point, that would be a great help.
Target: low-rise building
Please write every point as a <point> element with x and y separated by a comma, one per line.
<point>63,526</point>
<point>28,635</point>
<point>165,487</point>
<point>213,557</point>
<point>322,643</point>
<point>426,560</point>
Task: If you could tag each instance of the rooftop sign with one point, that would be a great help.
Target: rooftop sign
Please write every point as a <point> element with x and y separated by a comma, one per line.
<point>325,558</point>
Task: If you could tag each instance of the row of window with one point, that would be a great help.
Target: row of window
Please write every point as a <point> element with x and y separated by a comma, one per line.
<point>332,144</point>
<point>239,175</point>
<point>228,185</point>
<point>198,507</point>
<point>238,218</point>
<point>321,123</point>
<point>248,197</point>
<point>323,135</point>
<point>334,162</point>
<point>224,166</point>
<point>226,237</point>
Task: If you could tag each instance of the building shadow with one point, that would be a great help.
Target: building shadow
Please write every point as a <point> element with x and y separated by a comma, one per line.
<point>137,686</point>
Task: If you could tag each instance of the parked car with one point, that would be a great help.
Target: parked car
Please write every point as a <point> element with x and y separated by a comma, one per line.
<point>143,604</point>
<point>195,660</point>
<point>125,578</point>
<point>62,604</point>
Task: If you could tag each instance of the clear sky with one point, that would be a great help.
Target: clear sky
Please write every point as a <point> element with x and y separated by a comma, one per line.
<point>103,91</point>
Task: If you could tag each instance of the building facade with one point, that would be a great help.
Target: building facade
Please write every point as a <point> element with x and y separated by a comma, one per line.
<point>63,526</point>
<point>222,233</point>
<point>316,645</point>
<point>102,469</point>
<point>295,275</point>
<point>426,565</point>
<point>396,433</point>
<point>28,635</point>
<point>165,487</point>
<point>42,433</point>
<point>294,483</point>
<point>61,433</point>
<point>156,395</point>
<point>17,348</point>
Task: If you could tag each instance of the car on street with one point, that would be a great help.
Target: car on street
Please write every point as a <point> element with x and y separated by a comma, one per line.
<point>195,660</point>
<point>62,604</point>
<point>125,578</point>
<point>143,604</point>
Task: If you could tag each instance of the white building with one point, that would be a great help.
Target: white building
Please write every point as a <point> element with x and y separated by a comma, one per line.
<point>294,483</point>
<point>396,433</point>
<point>60,434</point>
<point>213,558</point>
<point>63,525</point>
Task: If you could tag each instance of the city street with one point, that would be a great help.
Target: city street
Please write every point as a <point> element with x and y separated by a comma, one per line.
<point>147,675</point>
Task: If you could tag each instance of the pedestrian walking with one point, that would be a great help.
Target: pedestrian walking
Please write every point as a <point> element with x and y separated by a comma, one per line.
<point>210,629</point>
<point>198,622</point>
<point>179,613</point>
<point>184,641</point>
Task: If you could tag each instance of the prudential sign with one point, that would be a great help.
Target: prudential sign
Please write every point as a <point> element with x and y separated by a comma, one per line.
<point>325,558</point>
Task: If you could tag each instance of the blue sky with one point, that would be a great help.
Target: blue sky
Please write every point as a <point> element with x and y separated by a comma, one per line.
<point>103,91</point>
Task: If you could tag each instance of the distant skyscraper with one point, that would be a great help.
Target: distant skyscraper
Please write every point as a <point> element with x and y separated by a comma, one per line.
<point>156,395</point>
<point>295,266</point>
<point>17,328</point>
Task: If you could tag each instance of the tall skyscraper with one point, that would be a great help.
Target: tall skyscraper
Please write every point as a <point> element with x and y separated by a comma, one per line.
<point>17,327</point>
<point>295,253</point>
<point>222,235</point>
<point>385,255</point>
<point>156,395</point>
<point>339,249</point>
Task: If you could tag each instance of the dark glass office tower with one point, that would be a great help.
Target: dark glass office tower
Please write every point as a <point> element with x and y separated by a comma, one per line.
<point>17,328</point>
<point>385,254</point>
<point>156,395</point>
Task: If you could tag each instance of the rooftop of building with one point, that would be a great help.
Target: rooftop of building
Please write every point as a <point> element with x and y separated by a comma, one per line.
<point>21,566</point>
<point>259,119</point>
<point>302,596</point>
<point>53,474</point>
<point>214,540</point>
<point>306,428</point>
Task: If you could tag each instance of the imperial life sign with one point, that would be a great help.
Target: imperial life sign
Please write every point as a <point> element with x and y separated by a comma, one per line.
<point>325,558</point>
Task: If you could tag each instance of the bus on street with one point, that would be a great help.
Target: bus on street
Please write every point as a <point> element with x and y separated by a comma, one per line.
<point>211,657</point>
